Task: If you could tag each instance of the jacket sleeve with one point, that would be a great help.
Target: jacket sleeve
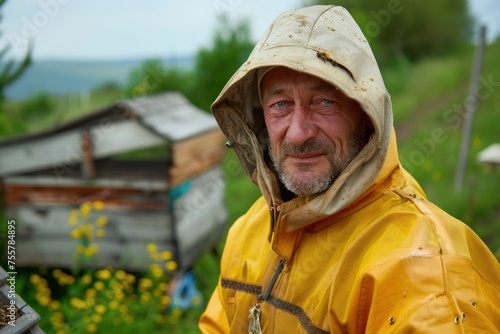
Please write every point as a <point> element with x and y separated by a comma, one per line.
<point>214,319</point>
<point>430,294</point>
<point>445,314</point>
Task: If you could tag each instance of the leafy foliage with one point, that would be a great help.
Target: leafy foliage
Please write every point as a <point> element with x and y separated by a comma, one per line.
<point>214,65</point>
<point>10,71</point>
<point>414,29</point>
<point>153,77</point>
<point>231,46</point>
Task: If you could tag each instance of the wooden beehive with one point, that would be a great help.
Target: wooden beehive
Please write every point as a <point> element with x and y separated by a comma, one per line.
<point>176,202</point>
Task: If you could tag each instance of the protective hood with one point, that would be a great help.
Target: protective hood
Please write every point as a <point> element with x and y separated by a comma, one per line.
<point>323,41</point>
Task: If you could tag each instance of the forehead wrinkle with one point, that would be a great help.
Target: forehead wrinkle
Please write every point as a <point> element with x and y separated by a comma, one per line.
<point>316,87</point>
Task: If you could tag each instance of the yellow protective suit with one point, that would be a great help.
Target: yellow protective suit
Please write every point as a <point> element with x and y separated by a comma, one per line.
<point>369,255</point>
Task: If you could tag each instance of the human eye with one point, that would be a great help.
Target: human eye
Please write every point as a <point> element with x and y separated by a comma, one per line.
<point>280,104</point>
<point>327,102</point>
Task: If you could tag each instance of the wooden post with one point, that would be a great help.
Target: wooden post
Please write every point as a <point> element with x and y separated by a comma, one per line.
<point>470,107</point>
<point>88,168</point>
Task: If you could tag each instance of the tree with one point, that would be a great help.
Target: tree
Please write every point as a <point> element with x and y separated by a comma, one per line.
<point>9,71</point>
<point>231,46</point>
<point>153,77</point>
<point>214,65</point>
<point>411,28</point>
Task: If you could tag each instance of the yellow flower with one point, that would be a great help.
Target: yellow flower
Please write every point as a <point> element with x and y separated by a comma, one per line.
<point>44,300</point>
<point>72,220</point>
<point>114,305</point>
<point>90,293</point>
<point>162,286</point>
<point>101,221</point>
<point>151,248</point>
<point>35,279</point>
<point>145,297</point>
<point>165,300</point>
<point>87,228</point>
<point>86,279</point>
<point>171,265</point>
<point>166,255</point>
<point>98,285</point>
<point>131,278</point>
<point>77,303</point>
<point>97,318</point>
<point>85,209</point>
<point>89,251</point>
<point>54,305</point>
<point>196,300</point>
<point>98,205</point>
<point>103,274</point>
<point>100,309</point>
<point>120,275</point>
<point>145,284</point>
<point>66,280</point>
<point>81,249</point>
<point>76,234</point>
<point>91,328</point>
<point>156,270</point>
<point>56,273</point>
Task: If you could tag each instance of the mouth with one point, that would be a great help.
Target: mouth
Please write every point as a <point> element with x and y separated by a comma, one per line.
<point>307,157</point>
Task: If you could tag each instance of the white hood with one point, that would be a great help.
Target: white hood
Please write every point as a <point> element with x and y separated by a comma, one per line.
<point>323,41</point>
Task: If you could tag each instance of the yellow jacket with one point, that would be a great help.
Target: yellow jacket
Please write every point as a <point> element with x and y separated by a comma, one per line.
<point>369,255</point>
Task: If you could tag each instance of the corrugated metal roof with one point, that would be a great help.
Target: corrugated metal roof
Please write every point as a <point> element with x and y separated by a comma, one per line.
<point>171,115</point>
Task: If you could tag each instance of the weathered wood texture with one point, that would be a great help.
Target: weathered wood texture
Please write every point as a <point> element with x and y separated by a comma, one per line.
<point>192,156</point>
<point>28,319</point>
<point>137,215</point>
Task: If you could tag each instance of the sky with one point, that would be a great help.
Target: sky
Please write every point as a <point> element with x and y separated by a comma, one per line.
<point>125,29</point>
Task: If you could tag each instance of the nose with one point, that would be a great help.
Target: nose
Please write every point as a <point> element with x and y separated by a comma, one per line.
<point>300,127</point>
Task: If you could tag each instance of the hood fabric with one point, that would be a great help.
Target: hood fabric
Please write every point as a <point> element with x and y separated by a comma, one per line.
<point>323,41</point>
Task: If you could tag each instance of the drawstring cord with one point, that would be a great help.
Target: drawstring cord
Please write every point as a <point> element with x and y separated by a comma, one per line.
<point>254,323</point>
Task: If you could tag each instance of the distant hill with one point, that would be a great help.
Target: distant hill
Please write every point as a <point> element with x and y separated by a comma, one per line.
<point>72,76</point>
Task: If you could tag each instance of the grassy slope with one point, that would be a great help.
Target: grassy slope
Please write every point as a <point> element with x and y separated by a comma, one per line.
<point>432,158</point>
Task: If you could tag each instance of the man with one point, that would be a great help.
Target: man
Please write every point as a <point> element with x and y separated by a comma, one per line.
<point>343,239</point>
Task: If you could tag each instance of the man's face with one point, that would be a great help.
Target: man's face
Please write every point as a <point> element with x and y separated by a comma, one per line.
<point>314,129</point>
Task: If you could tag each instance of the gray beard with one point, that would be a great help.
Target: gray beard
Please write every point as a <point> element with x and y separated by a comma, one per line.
<point>320,183</point>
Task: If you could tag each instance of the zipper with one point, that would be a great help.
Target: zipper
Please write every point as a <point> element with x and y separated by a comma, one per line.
<point>277,272</point>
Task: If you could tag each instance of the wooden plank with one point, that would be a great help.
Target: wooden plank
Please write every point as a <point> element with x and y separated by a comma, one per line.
<point>40,153</point>
<point>179,174</point>
<point>53,195</point>
<point>184,151</point>
<point>44,181</point>
<point>58,252</point>
<point>123,224</point>
<point>88,168</point>
<point>63,150</point>
<point>123,137</point>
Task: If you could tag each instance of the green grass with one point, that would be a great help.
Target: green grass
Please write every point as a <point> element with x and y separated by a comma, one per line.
<point>478,204</point>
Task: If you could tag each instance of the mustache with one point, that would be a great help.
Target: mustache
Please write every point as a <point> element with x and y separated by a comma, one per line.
<point>309,146</point>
